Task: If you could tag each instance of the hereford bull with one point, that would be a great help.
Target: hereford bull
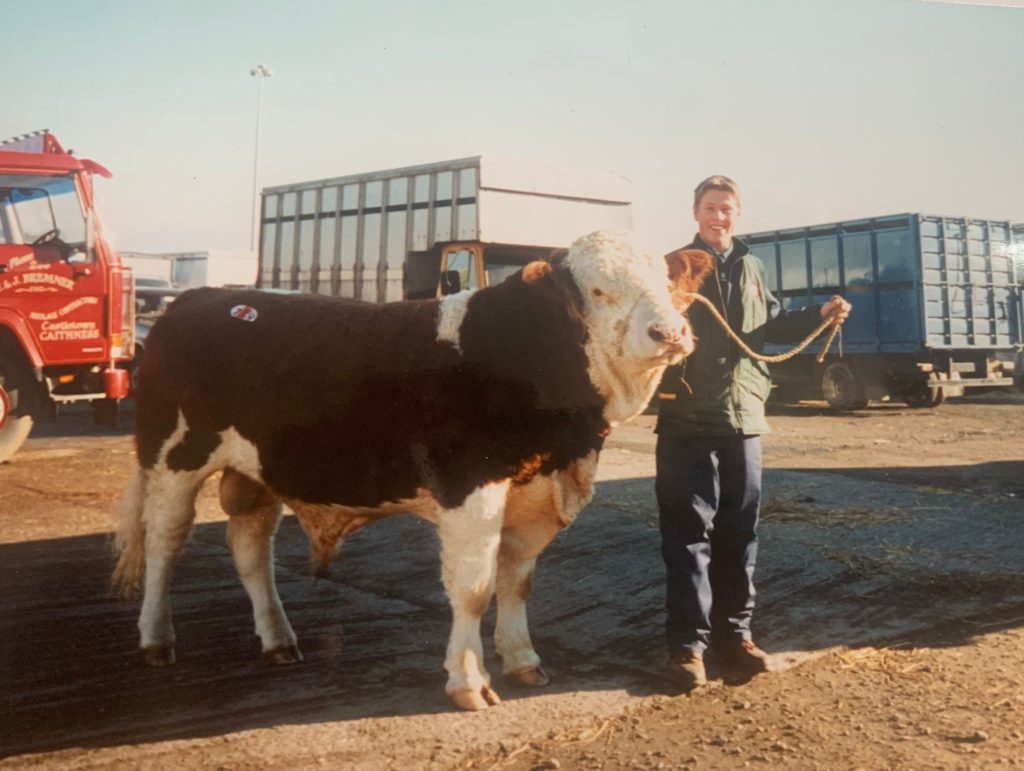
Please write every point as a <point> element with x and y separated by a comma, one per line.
<point>483,412</point>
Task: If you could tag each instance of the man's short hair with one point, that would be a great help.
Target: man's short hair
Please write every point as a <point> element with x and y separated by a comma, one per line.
<point>717,182</point>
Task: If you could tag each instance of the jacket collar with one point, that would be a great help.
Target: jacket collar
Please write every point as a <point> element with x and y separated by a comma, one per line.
<point>739,248</point>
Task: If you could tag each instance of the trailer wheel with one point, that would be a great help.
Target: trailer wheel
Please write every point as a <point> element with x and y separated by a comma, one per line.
<point>923,395</point>
<point>15,410</point>
<point>842,387</point>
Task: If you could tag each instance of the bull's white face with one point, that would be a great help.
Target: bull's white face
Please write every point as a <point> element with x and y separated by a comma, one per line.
<point>629,311</point>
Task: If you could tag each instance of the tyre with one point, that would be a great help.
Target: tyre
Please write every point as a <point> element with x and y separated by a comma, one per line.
<point>842,387</point>
<point>133,370</point>
<point>921,398</point>
<point>15,406</point>
<point>921,395</point>
<point>104,413</point>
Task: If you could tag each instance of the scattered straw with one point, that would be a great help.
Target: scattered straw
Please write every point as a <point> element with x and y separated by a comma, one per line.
<point>790,512</point>
<point>885,660</point>
<point>505,760</point>
<point>585,737</point>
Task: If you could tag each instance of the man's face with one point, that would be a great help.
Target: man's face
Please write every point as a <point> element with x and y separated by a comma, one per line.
<point>716,213</point>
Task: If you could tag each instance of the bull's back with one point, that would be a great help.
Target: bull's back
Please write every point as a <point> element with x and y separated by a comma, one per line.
<point>263,335</point>
<point>311,382</point>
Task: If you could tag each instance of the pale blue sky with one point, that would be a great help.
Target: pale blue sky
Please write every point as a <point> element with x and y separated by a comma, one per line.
<point>821,109</point>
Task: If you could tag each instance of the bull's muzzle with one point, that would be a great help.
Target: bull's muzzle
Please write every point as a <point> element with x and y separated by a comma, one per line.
<point>677,339</point>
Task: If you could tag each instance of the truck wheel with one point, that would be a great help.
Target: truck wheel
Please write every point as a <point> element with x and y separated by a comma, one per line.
<point>921,395</point>
<point>842,387</point>
<point>15,411</point>
<point>104,413</point>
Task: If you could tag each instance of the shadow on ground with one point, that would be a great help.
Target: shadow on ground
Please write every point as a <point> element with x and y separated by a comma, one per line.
<point>815,407</point>
<point>374,632</point>
<point>1003,478</point>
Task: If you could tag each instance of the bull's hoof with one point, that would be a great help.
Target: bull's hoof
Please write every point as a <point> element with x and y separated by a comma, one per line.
<point>286,654</point>
<point>467,698</point>
<point>158,655</point>
<point>534,676</point>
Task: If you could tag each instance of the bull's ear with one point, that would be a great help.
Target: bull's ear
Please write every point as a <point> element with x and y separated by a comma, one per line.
<point>687,268</point>
<point>535,271</point>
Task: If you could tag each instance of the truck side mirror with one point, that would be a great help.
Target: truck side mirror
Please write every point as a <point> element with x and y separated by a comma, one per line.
<point>451,282</point>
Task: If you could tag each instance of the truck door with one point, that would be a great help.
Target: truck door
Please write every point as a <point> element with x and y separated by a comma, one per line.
<point>48,273</point>
<point>461,268</point>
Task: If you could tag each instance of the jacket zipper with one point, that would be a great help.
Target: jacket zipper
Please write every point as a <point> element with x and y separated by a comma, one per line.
<point>734,395</point>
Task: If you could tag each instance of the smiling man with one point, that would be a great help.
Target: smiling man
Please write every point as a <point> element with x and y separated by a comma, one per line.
<point>710,421</point>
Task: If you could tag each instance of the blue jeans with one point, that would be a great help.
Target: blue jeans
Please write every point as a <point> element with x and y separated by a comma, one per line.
<point>709,494</point>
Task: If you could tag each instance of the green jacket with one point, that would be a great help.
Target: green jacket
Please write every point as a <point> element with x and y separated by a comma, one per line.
<point>719,391</point>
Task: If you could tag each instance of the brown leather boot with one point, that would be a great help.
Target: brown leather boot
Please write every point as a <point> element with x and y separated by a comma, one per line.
<point>687,670</point>
<point>743,657</point>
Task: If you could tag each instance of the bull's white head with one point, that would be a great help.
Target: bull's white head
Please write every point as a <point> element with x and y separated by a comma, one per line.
<point>633,310</point>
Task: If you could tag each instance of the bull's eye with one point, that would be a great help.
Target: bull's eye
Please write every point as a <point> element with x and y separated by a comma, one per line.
<point>598,293</point>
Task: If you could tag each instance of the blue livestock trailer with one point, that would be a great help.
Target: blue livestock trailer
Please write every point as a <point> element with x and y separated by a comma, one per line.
<point>936,305</point>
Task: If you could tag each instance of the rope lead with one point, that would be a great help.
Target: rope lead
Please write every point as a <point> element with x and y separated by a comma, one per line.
<point>776,359</point>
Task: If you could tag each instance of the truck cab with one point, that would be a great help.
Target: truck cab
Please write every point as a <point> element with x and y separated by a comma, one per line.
<point>476,265</point>
<point>66,303</point>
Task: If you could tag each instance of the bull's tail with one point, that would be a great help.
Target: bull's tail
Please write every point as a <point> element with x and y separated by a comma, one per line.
<point>130,540</point>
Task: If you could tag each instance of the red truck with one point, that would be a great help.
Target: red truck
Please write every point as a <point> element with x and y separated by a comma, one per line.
<point>66,301</point>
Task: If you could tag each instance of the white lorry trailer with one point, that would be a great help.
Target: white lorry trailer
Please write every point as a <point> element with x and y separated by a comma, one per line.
<point>418,231</point>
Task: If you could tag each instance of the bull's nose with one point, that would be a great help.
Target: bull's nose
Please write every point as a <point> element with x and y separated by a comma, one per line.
<point>665,335</point>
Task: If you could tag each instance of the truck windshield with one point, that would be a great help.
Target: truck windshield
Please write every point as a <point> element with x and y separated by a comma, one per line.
<point>37,209</point>
<point>498,269</point>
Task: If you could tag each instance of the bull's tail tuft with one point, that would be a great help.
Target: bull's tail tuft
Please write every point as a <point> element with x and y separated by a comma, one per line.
<point>130,540</point>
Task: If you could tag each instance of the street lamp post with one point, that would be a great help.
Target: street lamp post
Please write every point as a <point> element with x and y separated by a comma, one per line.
<point>261,73</point>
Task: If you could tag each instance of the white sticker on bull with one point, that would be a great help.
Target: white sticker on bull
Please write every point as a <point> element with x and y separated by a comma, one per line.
<point>244,313</point>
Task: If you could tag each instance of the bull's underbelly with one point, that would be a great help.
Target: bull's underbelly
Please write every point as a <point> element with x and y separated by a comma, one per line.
<point>534,509</point>
<point>547,503</point>
<point>326,524</point>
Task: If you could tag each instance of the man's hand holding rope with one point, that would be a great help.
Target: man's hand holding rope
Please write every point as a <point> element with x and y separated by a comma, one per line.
<point>837,309</point>
<point>833,314</point>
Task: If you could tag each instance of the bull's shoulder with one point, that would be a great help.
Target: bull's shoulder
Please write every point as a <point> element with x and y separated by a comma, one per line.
<point>530,330</point>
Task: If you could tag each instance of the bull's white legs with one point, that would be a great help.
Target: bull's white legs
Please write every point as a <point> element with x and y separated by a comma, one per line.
<point>535,514</point>
<point>512,633</point>
<point>521,542</point>
<point>469,548</point>
<point>519,660</point>
<point>168,514</point>
<point>254,516</point>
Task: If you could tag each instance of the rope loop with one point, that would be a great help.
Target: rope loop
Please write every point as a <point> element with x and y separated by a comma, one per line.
<point>776,359</point>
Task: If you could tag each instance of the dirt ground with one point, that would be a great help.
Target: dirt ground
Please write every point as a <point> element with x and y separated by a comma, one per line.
<point>856,684</point>
<point>952,698</point>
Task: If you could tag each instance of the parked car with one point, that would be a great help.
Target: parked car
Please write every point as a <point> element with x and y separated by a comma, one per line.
<point>152,296</point>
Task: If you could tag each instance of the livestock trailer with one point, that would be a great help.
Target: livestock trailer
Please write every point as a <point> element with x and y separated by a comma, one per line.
<point>413,232</point>
<point>936,305</point>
